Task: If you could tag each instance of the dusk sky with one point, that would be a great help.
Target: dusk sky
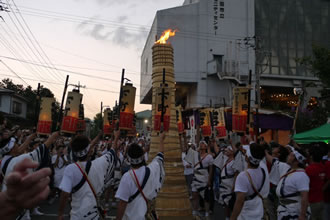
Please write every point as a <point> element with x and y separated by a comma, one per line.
<point>88,37</point>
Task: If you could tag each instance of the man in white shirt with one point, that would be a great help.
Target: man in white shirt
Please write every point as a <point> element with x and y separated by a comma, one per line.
<point>99,174</point>
<point>251,186</point>
<point>201,184</point>
<point>149,179</point>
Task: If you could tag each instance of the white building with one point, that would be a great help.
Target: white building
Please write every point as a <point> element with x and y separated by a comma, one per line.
<point>12,104</point>
<point>215,47</point>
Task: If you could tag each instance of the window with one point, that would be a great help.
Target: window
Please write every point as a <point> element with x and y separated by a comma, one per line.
<point>17,107</point>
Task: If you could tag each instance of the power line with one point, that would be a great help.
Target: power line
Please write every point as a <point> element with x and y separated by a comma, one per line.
<point>11,70</point>
<point>137,27</point>
<point>29,29</point>
<point>62,70</point>
<point>15,53</point>
<point>27,36</point>
<point>131,27</point>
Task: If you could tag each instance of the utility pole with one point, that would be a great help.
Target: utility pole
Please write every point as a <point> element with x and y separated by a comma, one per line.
<point>255,44</point>
<point>37,109</point>
<point>77,86</point>
<point>59,120</point>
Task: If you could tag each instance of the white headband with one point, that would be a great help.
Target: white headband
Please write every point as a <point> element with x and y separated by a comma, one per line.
<point>82,153</point>
<point>8,147</point>
<point>301,159</point>
<point>135,161</point>
<point>252,160</point>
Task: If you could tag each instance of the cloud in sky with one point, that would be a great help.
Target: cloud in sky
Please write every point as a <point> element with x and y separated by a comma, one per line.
<point>120,35</point>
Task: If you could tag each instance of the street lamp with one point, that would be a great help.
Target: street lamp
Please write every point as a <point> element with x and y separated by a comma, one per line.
<point>146,121</point>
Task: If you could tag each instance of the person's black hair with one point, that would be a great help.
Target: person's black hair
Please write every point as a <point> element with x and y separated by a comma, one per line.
<point>238,144</point>
<point>316,154</point>
<point>79,143</point>
<point>135,151</point>
<point>258,152</point>
<point>284,153</point>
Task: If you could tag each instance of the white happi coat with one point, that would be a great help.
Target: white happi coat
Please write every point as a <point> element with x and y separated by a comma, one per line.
<point>137,208</point>
<point>201,172</point>
<point>226,177</point>
<point>253,209</point>
<point>239,162</point>
<point>9,162</point>
<point>101,176</point>
<point>284,182</point>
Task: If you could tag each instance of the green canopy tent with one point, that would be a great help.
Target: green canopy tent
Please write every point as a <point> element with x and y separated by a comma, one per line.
<point>320,134</point>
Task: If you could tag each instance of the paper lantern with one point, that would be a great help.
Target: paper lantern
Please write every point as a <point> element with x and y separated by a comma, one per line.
<point>107,121</point>
<point>47,106</point>
<point>205,122</point>
<point>81,124</point>
<point>166,109</point>
<point>71,112</point>
<point>240,109</point>
<point>220,123</point>
<point>127,107</point>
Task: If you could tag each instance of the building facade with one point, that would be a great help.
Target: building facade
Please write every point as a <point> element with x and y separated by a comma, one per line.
<point>219,41</point>
<point>143,123</point>
<point>12,104</point>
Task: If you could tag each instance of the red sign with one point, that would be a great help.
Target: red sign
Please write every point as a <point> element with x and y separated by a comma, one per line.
<point>69,124</point>
<point>239,123</point>
<point>44,127</point>
<point>166,122</point>
<point>107,129</point>
<point>126,121</point>
<point>206,131</point>
<point>221,131</point>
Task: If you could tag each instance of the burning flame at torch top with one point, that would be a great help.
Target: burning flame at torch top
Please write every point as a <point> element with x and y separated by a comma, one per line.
<point>165,36</point>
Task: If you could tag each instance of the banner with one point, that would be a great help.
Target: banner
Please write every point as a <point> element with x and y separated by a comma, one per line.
<point>71,112</point>
<point>220,126</point>
<point>240,109</point>
<point>166,109</point>
<point>81,124</point>
<point>192,129</point>
<point>47,106</point>
<point>179,121</point>
<point>205,122</point>
<point>107,122</point>
<point>127,107</point>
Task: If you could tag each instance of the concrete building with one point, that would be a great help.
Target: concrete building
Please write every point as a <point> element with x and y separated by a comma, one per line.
<point>143,123</point>
<point>12,104</point>
<point>219,41</point>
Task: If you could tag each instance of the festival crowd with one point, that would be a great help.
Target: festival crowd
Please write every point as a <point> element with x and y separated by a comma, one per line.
<point>257,180</point>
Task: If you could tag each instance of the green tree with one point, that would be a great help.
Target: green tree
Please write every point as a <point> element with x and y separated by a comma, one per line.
<point>96,125</point>
<point>319,65</point>
<point>31,96</point>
